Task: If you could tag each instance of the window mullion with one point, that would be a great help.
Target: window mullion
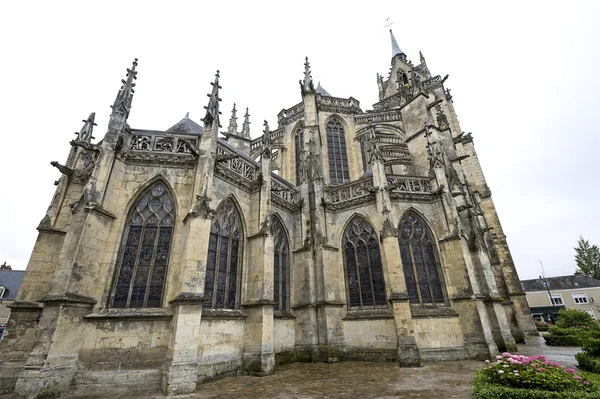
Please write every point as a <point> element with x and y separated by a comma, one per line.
<point>358,275</point>
<point>216,271</point>
<point>414,266</point>
<point>135,267</point>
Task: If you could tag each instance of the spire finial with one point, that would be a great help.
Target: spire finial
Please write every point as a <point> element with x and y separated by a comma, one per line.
<point>267,135</point>
<point>307,85</point>
<point>122,103</point>
<point>246,126</point>
<point>212,109</point>
<point>187,115</point>
<point>85,134</point>
<point>232,129</point>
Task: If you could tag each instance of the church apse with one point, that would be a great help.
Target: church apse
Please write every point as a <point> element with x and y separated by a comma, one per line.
<point>173,257</point>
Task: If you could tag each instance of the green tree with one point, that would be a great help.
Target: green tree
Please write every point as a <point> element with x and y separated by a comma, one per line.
<point>587,258</point>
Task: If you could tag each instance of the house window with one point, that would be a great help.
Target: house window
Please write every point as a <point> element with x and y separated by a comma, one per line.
<point>299,141</point>
<point>281,266</point>
<point>336,149</point>
<point>145,250</point>
<point>557,299</point>
<point>420,261</point>
<point>580,297</point>
<point>2,291</point>
<point>364,272</point>
<point>224,264</point>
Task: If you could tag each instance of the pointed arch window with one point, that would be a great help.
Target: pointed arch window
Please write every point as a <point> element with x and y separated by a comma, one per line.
<point>281,266</point>
<point>145,250</point>
<point>336,149</point>
<point>299,142</point>
<point>364,272</point>
<point>224,264</point>
<point>420,261</point>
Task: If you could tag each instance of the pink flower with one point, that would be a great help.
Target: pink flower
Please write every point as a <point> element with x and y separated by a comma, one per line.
<point>578,378</point>
<point>498,357</point>
<point>570,370</point>
<point>541,369</point>
<point>586,383</point>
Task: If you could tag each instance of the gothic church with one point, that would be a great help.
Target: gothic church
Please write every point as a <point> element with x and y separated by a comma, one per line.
<point>172,257</point>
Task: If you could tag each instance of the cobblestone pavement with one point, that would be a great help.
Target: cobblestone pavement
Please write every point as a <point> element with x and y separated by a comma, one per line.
<point>445,380</point>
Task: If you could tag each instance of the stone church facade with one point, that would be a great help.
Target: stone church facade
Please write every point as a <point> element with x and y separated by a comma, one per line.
<point>169,258</point>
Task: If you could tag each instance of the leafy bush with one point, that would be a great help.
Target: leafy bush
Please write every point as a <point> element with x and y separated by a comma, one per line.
<point>591,343</point>
<point>543,328</point>
<point>483,388</point>
<point>536,372</point>
<point>588,363</point>
<point>562,340</point>
<point>575,318</point>
<point>568,336</point>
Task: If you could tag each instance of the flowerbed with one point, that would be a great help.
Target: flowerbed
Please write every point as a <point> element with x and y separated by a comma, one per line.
<point>517,376</point>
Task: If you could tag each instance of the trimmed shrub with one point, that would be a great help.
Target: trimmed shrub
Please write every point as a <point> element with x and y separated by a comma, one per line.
<point>562,340</point>
<point>588,363</point>
<point>591,343</point>
<point>483,388</point>
<point>568,336</point>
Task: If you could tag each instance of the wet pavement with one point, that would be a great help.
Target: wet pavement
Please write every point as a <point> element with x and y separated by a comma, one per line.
<point>444,380</point>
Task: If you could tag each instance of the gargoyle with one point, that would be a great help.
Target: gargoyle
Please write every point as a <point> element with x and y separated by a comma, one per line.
<point>65,170</point>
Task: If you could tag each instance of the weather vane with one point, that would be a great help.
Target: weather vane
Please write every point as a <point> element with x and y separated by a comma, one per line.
<point>388,23</point>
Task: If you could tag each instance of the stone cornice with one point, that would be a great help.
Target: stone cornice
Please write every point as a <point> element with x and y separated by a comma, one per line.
<point>131,314</point>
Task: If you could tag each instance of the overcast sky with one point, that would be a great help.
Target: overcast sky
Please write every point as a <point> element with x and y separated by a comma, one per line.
<point>523,75</point>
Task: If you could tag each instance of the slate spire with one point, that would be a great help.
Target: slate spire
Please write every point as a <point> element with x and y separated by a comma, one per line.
<point>395,48</point>
<point>307,85</point>
<point>232,129</point>
<point>212,109</point>
<point>246,125</point>
<point>122,104</point>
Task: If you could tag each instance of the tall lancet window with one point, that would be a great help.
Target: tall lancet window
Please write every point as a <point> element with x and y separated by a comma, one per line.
<point>281,266</point>
<point>224,264</point>
<point>336,148</point>
<point>144,254</point>
<point>364,272</point>
<point>299,141</point>
<point>420,261</point>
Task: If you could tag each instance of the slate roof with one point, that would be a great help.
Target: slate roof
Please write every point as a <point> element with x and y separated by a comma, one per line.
<point>561,283</point>
<point>322,91</point>
<point>11,280</point>
<point>186,126</point>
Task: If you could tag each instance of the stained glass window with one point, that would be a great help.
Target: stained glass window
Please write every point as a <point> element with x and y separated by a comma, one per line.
<point>336,148</point>
<point>299,141</point>
<point>281,266</point>
<point>144,254</point>
<point>223,268</point>
<point>420,262</point>
<point>364,272</point>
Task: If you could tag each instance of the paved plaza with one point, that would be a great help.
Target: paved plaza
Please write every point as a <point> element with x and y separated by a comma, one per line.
<point>445,380</point>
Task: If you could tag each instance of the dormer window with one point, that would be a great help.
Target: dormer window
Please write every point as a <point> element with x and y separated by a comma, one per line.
<point>3,291</point>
